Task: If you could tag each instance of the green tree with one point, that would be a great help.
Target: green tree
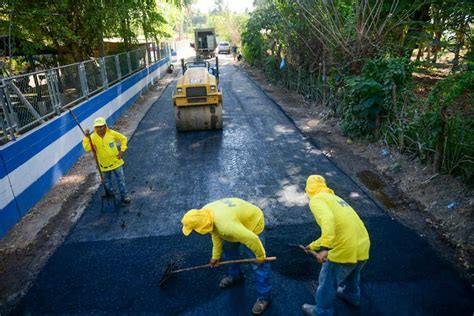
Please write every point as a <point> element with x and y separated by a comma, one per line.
<point>75,29</point>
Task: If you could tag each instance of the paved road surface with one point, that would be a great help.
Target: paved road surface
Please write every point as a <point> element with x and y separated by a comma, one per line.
<point>111,263</point>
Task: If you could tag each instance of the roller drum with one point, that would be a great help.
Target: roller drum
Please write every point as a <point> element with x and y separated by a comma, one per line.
<point>198,117</point>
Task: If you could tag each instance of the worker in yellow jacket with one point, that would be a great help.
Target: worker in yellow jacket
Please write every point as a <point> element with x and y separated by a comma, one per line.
<point>109,154</point>
<point>233,222</point>
<point>342,248</point>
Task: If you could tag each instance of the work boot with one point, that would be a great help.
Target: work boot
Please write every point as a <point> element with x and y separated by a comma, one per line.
<point>340,294</point>
<point>126,199</point>
<point>260,306</point>
<point>308,310</point>
<point>230,281</point>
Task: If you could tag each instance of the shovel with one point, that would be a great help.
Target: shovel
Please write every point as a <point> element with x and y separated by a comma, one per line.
<point>108,199</point>
<point>171,267</point>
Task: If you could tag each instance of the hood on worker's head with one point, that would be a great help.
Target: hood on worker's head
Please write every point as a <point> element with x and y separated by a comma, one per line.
<point>100,121</point>
<point>316,184</point>
<point>201,221</point>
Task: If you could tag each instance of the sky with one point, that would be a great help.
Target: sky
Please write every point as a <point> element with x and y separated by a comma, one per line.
<point>236,6</point>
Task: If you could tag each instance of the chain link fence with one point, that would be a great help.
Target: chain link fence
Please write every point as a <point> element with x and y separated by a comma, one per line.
<point>28,100</point>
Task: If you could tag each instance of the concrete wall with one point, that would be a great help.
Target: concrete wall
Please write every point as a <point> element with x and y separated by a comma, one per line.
<point>32,164</point>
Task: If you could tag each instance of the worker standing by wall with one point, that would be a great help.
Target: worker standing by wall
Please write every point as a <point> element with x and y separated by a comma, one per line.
<point>343,248</point>
<point>234,222</point>
<point>109,154</point>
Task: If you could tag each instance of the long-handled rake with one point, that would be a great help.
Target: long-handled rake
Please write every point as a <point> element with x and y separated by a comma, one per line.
<point>171,267</point>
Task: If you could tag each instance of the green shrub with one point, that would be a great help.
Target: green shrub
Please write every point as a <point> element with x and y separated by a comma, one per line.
<point>422,125</point>
<point>370,96</point>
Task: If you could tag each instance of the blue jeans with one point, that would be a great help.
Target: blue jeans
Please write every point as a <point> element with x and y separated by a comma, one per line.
<point>119,176</point>
<point>261,272</point>
<point>332,276</point>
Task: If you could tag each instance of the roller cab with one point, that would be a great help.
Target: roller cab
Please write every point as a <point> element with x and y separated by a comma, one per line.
<point>197,100</point>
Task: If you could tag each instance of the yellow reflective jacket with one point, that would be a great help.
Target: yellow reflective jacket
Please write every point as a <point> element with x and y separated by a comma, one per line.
<point>341,229</point>
<point>236,220</point>
<point>107,149</point>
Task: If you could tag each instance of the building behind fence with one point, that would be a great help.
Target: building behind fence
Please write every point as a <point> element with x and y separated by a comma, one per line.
<point>29,100</point>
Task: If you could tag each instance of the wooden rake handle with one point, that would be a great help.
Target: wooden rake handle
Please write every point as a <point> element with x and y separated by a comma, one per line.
<point>223,263</point>
<point>310,252</point>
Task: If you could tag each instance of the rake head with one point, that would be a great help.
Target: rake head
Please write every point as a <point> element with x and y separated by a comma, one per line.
<point>167,274</point>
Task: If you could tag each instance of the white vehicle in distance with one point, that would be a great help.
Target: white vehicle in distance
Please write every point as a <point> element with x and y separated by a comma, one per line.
<point>223,47</point>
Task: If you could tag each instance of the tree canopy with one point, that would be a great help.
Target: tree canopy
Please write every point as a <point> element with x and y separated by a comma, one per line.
<point>75,29</point>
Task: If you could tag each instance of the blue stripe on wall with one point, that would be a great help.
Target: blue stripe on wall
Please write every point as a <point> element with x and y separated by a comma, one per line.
<point>41,186</point>
<point>3,171</point>
<point>8,217</point>
<point>25,148</point>
<point>17,153</point>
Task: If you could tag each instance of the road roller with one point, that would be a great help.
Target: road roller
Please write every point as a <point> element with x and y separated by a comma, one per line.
<point>197,100</point>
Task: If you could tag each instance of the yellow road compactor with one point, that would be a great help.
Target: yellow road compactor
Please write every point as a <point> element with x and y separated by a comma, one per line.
<point>197,99</point>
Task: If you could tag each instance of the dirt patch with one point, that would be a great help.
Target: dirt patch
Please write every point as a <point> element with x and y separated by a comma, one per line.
<point>440,208</point>
<point>29,243</point>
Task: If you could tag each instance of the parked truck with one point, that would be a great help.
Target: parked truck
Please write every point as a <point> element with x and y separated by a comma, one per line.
<point>205,43</point>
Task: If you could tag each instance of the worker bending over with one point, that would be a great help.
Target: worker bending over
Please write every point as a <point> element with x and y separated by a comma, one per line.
<point>234,222</point>
<point>343,248</point>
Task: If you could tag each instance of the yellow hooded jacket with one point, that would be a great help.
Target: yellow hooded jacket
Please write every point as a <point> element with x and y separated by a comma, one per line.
<point>106,148</point>
<point>342,231</point>
<point>230,219</point>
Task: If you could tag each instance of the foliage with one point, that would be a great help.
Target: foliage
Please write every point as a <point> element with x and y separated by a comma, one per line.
<point>75,29</point>
<point>229,25</point>
<point>253,39</point>
<point>422,126</point>
<point>356,56</point>
<point>373,95</point>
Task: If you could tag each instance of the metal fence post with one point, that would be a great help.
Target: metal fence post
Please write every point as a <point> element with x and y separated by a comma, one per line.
<point>129,63</point>
<point>7,109</point>
<point>26,102</point>
<point>103,73</point>
<point>83,80</point>
<point>147,57</point>
<point>53,89</point>
<point>117,66</point>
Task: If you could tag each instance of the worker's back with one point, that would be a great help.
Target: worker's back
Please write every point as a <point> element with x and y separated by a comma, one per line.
<point>351,241</point>
<point>233,210</point>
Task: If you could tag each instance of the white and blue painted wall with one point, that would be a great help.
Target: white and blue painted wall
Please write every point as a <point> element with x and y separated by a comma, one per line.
<point>31,165</point>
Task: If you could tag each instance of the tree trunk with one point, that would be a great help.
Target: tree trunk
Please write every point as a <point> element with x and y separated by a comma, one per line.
<point>378,125</point>
<point>436,46</point>
<point>420,15</point>
<point>460,43</point>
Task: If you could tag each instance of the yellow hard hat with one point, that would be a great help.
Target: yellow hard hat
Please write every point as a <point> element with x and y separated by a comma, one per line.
<point>100,121</point>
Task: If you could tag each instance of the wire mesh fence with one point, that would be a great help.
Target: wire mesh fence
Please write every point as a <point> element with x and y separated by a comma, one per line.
<point>29,100</point>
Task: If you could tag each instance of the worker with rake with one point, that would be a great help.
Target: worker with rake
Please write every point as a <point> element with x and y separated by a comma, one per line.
<point>233,222</point>
<point>109,155</point>
<point>342,248</point>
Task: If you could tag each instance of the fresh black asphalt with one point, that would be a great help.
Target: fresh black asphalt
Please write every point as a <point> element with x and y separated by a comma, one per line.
<point>111,263</point>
